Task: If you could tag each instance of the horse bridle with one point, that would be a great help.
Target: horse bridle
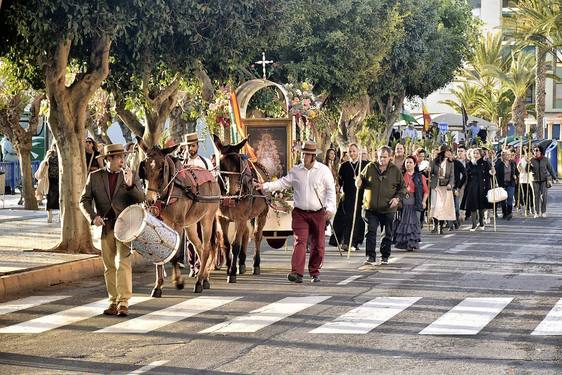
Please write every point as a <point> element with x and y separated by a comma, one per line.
<point>243,168</point>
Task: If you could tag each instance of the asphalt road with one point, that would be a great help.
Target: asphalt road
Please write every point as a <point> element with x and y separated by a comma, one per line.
<point>478,303</point>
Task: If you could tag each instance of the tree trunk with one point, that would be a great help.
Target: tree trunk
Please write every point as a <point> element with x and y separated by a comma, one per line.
<point>518,115</point>
<point>67,119</point>
<point>352,115</point>
<point>540,89</point>
<point>390,110</point>
<point>30,202</point>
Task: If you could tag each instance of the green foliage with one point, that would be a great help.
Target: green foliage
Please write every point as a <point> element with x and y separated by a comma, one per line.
<point>338,45</point>
<point>437,39</point>
<point>270,102</point>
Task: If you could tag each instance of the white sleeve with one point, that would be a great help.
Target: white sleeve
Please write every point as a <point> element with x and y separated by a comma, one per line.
<point>330,189</point>
<point>282,183</point>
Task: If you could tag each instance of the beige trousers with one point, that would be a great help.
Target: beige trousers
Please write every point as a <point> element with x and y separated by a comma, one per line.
<point>118,272</point>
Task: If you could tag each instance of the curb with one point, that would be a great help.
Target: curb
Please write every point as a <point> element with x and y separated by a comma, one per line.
<point>25,281</point>
<point>12,219</point>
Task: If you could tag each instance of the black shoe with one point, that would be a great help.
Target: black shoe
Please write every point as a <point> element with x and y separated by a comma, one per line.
<point>451,229</point>
<point>315,279</point>
<point>371,261</point>
<point>384,261</point>
<point>294,277</point>
<point>509,217</point>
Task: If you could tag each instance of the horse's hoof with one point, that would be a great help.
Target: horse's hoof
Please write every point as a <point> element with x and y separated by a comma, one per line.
<point>192,273</point>
<point>218,268</point>
<point>257,271</point>
<point>242,269</point>
<point>198,288</point>
<point>156,293</point>
<point>180,285</point>
<point>231,279</point>
<point>206,284</point>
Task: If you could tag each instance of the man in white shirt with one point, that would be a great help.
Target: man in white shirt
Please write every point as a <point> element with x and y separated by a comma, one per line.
<point>193,159</point>
<point>410,132</point>
<point>315,203</point>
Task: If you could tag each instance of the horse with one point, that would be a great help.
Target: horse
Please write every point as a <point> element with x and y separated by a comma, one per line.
<point>182,197</point>
<point>240,204</point>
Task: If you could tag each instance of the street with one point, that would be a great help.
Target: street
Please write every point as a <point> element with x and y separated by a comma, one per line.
<point>481,302</point>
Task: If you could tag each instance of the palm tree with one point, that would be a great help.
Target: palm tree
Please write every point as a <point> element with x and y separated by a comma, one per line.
<point>489,51</point>
<point>518,78</point>
<point>537,23</point>
<point>466,96</point>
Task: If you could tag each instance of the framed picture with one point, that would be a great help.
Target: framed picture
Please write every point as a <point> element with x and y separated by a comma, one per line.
<point>271,140</point>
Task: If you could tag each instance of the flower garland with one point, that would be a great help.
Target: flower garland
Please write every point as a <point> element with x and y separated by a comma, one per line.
<point>218,113</point>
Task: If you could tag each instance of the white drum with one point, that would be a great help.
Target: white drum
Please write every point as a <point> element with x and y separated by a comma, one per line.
<point>148,236</point>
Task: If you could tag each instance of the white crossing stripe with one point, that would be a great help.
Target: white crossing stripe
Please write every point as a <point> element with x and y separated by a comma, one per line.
<point>552,323</point>
<point>266,315</point>
<point>63,318</point>
<point>448,235</point>
<point>368,316</point>
<point>149,367</point>
<point>468,317</point>
<point>172,314</point>
<point>349,280</point>
<point>426,246</point>
<point>26,303</point>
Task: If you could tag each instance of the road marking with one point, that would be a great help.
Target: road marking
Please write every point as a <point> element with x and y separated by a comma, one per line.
<point>468,317</point>
<point>148,367</point>
<point>552,323</point>
<point>368,316</point>
<point>448,235</point>
<point>26,303</point>
<point>349,280</point>
<point>426,246</point>
<point>458,248</point>
<point>172,314</point>
<point>267,315</point>
<point>63,318</point>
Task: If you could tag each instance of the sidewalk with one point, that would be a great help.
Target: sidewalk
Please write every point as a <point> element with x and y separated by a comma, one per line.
<point>22,269</point>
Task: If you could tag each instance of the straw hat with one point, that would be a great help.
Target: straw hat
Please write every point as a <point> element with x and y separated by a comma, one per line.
<point>309,147</point>
<point>112,150</point>
<point>190,138</point>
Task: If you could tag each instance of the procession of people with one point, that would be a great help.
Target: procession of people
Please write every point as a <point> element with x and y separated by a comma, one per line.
<point>393,195</point>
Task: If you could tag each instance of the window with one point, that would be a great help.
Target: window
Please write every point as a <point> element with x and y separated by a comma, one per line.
<point>476,3</point>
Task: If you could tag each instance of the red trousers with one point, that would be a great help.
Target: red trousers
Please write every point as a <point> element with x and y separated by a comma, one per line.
<point>308,228</point>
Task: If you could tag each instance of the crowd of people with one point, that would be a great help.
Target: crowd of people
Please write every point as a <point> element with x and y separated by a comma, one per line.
<point>400,192</point>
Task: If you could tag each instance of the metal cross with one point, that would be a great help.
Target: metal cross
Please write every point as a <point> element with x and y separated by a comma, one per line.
<point>263,63</point>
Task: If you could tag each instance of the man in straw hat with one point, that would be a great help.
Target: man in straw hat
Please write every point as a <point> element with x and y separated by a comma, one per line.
<point>112,189</point>
<point>193,159</point>
<point>315,203</point>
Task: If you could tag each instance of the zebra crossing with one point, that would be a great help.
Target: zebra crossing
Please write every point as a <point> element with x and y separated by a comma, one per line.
<point>469,317</point>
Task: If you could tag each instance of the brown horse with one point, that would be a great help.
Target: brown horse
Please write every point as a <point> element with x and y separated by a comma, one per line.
<point>181,205</point>
<point>242,204</point>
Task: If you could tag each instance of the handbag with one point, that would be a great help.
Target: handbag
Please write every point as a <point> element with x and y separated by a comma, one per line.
<point>496,195</point>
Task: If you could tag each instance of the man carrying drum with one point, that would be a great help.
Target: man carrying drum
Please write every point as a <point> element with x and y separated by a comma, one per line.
<point>112,189</point>
<point>193,159</point>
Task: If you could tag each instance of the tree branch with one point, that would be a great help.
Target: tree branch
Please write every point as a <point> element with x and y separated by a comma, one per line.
<point>35,109</point>
<point>128,117</point>
<point>98,69</point>
<point>166,93</point>
<point>207,87</point>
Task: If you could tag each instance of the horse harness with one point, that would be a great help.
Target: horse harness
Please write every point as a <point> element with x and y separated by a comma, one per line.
<point>248,173</point>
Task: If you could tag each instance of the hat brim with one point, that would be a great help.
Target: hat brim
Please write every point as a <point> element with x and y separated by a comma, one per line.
<point>190,142</point>
<point>113,154</point>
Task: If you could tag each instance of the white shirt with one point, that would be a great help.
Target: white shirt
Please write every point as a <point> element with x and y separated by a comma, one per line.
<point>198,162</point>
<point>410,133</point>
<point>304,183</point>
<point>524,177</point>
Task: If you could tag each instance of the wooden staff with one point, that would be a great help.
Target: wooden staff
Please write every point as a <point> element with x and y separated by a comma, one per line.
<point>519,185</point>
<point>355,204</point>
<point>527,196</point>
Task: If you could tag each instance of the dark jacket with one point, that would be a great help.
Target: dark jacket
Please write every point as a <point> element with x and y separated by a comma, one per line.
<point>381,188</point>
<point>97,191</point>
<point>460,175</point>
<point>478,183</point>
<point>449,178</point>
<point>500,173</point>
<point>346,180</point>
<point>542,169</point>
<point>417,177</point>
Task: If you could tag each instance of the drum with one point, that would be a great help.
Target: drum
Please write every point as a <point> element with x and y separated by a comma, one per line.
<point>148,236</point>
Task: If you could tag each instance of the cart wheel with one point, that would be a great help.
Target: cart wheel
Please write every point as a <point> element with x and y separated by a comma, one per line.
<point>276,243</point>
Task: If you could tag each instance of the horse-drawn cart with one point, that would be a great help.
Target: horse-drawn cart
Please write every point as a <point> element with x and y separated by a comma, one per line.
<point>272,140</point>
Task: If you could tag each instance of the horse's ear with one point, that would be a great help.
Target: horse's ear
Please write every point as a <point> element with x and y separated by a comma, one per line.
<point>218,143</point>
<point>169,150</point>
<point>142,145</point>
<point>239,145</point>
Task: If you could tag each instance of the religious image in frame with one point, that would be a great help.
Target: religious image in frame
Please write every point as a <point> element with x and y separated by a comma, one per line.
<point>270,142</point>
